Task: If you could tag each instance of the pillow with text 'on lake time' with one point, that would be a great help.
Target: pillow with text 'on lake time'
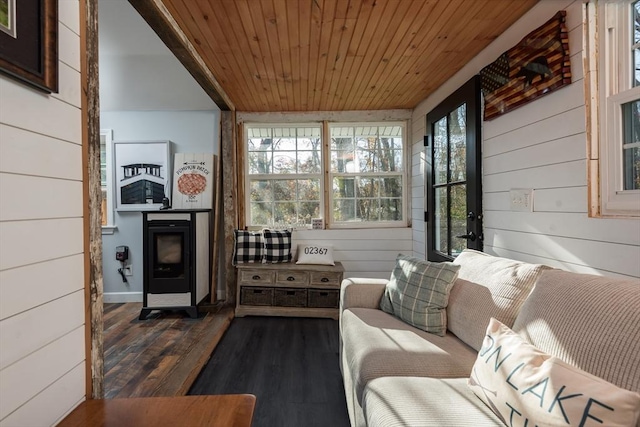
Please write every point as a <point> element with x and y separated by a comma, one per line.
<point>310,253</point>
<point>418,293</point>
<point>527,387</point>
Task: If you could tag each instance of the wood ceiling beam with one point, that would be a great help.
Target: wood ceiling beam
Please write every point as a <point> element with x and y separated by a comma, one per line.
<point>166,27</point>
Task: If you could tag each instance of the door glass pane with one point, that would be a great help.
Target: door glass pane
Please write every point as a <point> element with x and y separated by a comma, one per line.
<point>441,228</point>
<point>440,149</point>
<point>458,143</point>
<point>458,218</point>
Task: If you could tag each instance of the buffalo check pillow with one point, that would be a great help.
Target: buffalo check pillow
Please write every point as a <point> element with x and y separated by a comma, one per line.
<point>418,293</point>
<point>277,246</point>
<point>248,248</point>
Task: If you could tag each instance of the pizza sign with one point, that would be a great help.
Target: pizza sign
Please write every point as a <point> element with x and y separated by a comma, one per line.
<point>193,181</point>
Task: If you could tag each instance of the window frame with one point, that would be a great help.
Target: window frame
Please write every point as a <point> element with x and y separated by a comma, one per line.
<point>248,177</point>
<point>326,193</point>
<point>110,226</point>
<point>615,88</point>
<point>403,174</point>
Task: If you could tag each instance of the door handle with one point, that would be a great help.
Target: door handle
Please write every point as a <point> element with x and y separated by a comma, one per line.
<point>469,236</point>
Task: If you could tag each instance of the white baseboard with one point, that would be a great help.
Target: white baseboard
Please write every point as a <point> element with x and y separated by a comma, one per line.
<point>118,297</point>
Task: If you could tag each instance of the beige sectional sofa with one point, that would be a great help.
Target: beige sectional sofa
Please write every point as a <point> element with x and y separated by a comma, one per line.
<point>397,375</point>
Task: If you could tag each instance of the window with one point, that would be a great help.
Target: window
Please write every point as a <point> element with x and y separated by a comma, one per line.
<point>286,166</point>
<point>366,174</point>
<point>618,67</point>
<point>106,179</point>
<point>284,174</point>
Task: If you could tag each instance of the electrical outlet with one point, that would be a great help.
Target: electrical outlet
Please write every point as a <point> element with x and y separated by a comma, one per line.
<point>521,199</point>
<point>128,271</point>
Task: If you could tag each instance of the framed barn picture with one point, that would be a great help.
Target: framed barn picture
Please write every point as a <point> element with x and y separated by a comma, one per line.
<point>142,172</point>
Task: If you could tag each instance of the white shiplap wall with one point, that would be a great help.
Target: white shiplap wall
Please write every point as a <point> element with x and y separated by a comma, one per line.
<point>42,343</point>
<point>364,252</point>
<point>542,146</point>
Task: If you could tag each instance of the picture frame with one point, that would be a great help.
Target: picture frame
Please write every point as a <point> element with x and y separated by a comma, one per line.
<point>142,174</point>
<point>29,42</point>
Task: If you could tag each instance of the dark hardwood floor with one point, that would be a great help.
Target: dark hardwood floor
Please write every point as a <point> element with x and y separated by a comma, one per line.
<point>159,356</point>
<point>290,364</point>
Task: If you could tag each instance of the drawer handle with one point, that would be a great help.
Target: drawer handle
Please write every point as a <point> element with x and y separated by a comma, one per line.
<point>324,294</point>
<point>256,277</point>
<point>324,280</point>
<point>291,292</point>
<point>291,279</point>
<point>257,291</point>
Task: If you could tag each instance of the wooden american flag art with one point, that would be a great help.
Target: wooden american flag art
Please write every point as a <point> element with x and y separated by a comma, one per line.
<point>536,66</point>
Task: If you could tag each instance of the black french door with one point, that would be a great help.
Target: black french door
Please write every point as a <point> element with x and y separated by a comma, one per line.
<point>453,174</point>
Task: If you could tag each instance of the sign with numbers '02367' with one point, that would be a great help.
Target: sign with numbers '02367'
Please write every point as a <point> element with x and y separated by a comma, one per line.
<point>193,181</point>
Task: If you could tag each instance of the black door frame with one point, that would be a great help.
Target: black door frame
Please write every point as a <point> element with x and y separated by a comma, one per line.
<point>470,94</point>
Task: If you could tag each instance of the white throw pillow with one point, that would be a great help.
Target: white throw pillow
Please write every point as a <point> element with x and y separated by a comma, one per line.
<point>309,253</point>
<point>525,386</point>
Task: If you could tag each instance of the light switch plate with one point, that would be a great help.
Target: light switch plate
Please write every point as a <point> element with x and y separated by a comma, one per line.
<point>521,199</point>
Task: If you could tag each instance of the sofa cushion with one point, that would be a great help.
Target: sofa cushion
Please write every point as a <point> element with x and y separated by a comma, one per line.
<point>377,344</point>
<point>591,322</point>
<point>487,286</point>
<point>425,402</point>
<point>418,292</point>
<point>521,383</point>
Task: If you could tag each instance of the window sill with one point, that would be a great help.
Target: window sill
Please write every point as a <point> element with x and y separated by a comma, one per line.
<point>109,229</point>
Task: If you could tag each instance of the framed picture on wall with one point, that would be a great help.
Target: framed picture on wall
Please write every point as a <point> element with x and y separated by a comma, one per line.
<point>29,42</point>
<point>142,172</point>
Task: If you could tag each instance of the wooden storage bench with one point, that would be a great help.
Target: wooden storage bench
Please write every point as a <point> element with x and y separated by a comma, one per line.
<point>289,289</point>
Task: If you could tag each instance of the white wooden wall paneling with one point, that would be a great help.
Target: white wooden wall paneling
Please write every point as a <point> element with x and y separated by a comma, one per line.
<point>69,83</point>
<point>27,109</point>
<point>28,153</point>
<point>622,231</point>
<point>534,259</point>
<point>42,374</point>
<point>30,286</point>
<point>569,174</point>
<point>33,329</point>
<point>70,55</point>
<point>26,378</point>
<point>60,397</point>
<point>561,150</point>
<point>622,259</point>
<point>567,199</point>
<point>68,14</point>
<point>363,252</point>
<point>29,242</point>
<point>39,198</point>
<point>562,124</point>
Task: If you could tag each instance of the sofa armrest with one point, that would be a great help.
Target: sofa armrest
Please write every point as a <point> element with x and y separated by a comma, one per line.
<point>361,292</point>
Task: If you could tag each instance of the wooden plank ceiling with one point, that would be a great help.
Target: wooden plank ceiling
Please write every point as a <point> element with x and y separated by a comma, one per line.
<point>334,55</point>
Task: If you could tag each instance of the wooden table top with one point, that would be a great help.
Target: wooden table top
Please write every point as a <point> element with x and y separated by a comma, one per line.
<point>226,410</point>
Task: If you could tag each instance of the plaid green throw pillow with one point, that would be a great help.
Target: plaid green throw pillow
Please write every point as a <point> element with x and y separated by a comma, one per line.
<point>418,292</point>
